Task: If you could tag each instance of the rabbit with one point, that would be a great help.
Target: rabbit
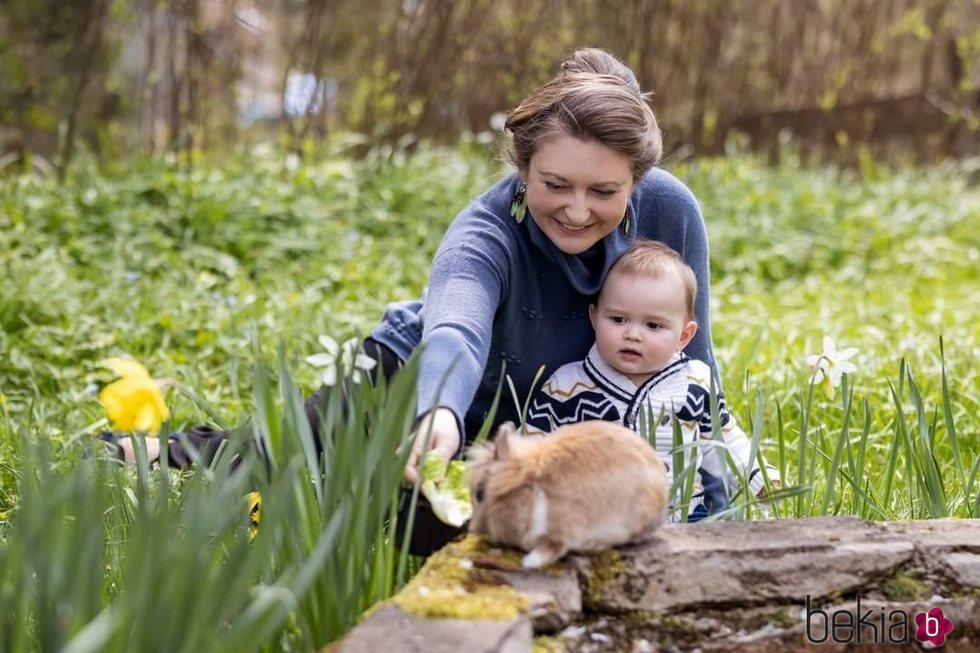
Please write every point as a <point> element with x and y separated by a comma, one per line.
<point>584,487</point>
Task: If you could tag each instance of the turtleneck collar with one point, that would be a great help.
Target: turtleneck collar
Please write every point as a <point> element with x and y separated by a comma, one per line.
<point>585,278</point>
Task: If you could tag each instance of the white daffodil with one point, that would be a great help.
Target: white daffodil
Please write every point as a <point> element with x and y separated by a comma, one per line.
<point>830,365</point>
<point>347,357</point>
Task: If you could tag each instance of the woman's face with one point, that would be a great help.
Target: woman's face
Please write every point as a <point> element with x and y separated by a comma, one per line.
<point>577,191</point>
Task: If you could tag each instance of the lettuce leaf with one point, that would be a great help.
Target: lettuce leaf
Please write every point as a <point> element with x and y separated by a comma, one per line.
<point>444,485</point>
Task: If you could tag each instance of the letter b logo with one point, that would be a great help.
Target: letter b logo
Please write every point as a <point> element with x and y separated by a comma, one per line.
<point>932,626</point>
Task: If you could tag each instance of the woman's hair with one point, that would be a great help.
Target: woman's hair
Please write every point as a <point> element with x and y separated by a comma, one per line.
<point>652,259</point>
<point>600,62</point>
<point>594,96</point>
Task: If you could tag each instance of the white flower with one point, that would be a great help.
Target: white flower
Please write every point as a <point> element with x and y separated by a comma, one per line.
<point>347,357</point>
<point>829,366</point>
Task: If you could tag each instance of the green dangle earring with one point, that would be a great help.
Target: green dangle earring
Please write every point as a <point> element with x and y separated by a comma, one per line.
<point>626,222</point>
<point>518,205</point>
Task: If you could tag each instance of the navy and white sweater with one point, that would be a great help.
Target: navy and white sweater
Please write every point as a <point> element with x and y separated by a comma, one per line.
<point>592,389</point>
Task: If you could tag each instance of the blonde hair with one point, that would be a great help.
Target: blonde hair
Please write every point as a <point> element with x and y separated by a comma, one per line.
<point>653,259</point>
<point>595,96</point>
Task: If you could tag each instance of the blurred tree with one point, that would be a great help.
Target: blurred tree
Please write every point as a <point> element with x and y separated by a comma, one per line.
<point>51,56</point>
<point>835,78</point>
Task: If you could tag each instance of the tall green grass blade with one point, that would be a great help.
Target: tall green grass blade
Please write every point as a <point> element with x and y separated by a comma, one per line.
<point>734,473</point>
<point>954,443</point>
<point>801,454</point>
<point>683,468</point>
<point>974,509</point>
<point>931,477</point>
<point>484,432</point>
<point>843,442</point>
<point>891,463</point>
<point>782,461</point>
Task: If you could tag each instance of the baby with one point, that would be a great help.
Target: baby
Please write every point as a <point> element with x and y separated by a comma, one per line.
<point>637,375</point>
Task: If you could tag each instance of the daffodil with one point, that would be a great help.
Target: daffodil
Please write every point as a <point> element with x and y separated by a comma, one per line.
<point>134,402</point>
<point>830,365</point>
<point>346,357</point>
<point>254,500</point>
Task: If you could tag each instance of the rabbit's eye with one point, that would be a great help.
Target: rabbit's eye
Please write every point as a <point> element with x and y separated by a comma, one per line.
<point>478,495</point>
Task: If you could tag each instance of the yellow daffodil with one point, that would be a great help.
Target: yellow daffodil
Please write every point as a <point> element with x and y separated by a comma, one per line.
<point>254,513</point>
<point>134,402</point>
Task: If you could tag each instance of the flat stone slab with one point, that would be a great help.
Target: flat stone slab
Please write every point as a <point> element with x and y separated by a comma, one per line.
<point>692,566</point>
<point>722,587</point>
<point>390,629</point>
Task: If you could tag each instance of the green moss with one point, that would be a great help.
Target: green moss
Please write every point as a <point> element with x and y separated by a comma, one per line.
<point>641,618</point>
<point>448,588</point>
<point>474,545</point>
<point>604,568</point>
<point>973,592</point>
<point>902,586</point>
<point>676,624</point>
<point>784,618</point>
<point>547,645</point>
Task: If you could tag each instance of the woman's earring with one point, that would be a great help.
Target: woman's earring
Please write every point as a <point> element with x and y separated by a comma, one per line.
<point>626,222</point>
<point>518,205</point>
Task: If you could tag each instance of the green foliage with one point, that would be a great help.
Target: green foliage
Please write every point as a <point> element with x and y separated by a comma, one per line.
<point>174,267</point>
<point>102,558</point>
<point>186,267</point>
<point>884,261</point>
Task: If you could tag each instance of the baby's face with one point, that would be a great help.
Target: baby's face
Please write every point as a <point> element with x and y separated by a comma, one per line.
<point>640,323</point>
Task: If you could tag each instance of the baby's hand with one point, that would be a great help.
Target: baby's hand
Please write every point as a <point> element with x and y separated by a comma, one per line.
<point>774,484</point>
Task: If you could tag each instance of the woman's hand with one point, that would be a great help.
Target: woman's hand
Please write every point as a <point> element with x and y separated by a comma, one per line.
<point>442,430</point>
<point>129,455</point>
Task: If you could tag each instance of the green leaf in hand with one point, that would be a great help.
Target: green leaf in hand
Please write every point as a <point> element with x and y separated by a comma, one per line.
<point>444,485</point>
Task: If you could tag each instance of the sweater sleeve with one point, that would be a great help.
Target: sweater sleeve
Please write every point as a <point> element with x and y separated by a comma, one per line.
<point>737,445</point>
<point>468,279</point>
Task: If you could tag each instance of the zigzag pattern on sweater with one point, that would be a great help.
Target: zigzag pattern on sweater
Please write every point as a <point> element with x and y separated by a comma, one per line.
<point>547,413</point>
<point>697,407</point>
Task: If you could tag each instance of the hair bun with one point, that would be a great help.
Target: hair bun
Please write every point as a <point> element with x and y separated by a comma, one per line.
<point>600,62</point>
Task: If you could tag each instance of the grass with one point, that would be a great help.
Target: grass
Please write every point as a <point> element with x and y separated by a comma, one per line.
<point>880,259</point>
<point>206,274</point>
<point>99,557</point>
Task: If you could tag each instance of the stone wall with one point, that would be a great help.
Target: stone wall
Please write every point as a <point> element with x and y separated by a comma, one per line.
<point>827,584</point>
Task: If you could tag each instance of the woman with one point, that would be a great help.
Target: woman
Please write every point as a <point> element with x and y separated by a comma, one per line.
<point>514,275</point>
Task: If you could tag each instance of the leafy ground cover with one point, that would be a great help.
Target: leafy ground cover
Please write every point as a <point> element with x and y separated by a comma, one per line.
<point>205,273</point>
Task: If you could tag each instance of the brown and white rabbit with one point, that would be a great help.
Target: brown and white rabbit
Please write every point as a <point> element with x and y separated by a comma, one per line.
<point>584,487</point>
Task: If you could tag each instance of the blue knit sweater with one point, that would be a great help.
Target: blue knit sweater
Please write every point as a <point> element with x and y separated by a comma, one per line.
<point>500,292</point>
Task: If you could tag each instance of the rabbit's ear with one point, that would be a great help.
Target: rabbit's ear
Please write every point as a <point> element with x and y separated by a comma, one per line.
<point>504,442</point>
<point>507,428</point>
